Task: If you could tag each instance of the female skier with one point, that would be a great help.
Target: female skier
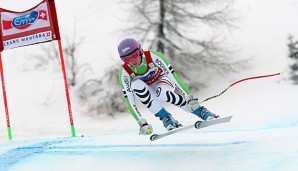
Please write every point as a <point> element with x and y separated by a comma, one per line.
<point>147,75</point>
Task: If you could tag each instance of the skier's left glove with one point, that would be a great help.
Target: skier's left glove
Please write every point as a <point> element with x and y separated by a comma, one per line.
<point>192,103</point>
<point>145,128</point>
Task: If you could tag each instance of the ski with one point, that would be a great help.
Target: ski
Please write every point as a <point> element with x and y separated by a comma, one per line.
<point>197,125</point>
<point>203,124</point>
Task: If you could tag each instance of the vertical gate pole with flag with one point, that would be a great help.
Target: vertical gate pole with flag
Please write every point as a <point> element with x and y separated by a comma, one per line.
<point>36,25</point>
<point>56,28</point>
<point>73,133</point>
<point>5,100</point>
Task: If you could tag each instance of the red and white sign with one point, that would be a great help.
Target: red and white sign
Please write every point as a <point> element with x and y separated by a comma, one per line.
<point>36,25</point>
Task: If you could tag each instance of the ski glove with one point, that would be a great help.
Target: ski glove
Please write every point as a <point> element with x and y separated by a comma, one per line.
<point>192,103</point>
<point>145,128</point>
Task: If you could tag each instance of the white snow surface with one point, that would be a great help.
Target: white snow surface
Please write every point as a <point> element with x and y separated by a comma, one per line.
<point>262,135</point>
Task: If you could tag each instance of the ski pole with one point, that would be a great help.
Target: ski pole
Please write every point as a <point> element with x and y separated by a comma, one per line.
<point>245,79</point>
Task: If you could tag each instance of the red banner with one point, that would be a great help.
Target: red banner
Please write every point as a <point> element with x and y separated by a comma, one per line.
<point>36,25</point>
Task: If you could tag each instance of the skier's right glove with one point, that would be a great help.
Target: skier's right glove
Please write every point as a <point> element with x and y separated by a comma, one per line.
<point>145,128</point>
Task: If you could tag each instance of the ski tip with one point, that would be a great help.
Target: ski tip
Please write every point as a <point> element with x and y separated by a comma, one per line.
<point>197,124</point>
<point>153,137</point>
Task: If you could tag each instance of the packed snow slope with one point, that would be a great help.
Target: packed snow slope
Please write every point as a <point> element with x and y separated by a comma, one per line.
<point>262,149</point>
<point>261,136</point>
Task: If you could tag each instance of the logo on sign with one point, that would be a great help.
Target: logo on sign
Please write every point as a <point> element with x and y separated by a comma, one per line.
<point>24,21</point>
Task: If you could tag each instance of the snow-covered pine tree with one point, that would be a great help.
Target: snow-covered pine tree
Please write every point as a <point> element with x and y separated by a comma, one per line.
<point>188,32</point>
<point>293,55</point>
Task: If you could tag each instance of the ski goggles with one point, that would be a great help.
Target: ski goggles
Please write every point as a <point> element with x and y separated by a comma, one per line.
<point>131,57</point>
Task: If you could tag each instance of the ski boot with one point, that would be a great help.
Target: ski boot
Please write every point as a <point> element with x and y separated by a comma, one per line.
<point>205,114</point>
<point>168,121</point>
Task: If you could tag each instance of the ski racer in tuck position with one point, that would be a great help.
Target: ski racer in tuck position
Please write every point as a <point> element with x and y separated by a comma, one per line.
<point>147,75</point>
